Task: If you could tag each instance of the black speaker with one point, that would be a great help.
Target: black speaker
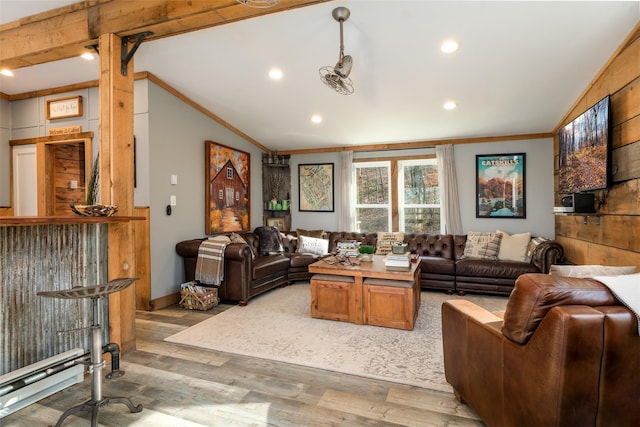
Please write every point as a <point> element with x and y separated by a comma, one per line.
<point>578,203</point>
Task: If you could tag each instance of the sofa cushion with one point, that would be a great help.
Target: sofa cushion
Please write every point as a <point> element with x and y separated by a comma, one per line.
<point>513,247</point>
<point>437,265</point>
<point>301,260</point>
<point>481,268</point>
<point>533,244</point>
<point>309,233</point>
<point>482,245</point>
<point>535,294</point>
<point>386,239</point>
<point>590,271</point>
<point>312,245</point>
<point>264,266</point>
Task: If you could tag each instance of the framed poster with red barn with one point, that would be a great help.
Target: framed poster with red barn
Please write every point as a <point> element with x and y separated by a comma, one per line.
<point>227,191</point>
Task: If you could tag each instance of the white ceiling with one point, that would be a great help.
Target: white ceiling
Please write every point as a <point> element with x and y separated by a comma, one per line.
<point>519,68</point>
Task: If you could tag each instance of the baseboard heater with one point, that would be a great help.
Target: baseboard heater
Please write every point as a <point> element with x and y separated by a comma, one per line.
<point>27,385</point>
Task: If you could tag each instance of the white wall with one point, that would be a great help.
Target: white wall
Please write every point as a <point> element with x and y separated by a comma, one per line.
<point>314,220</point>
<point>177,135</point>
<point>538,190</point>
<point>538,187</point>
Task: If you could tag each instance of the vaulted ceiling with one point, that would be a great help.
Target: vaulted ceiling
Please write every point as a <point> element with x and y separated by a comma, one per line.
<point>518,69</point>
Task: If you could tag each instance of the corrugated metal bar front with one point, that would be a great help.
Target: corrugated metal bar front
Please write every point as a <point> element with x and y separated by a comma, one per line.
<point>45,258</point>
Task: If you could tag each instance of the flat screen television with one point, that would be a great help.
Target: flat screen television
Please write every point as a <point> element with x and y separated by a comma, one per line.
<point>585,152</point>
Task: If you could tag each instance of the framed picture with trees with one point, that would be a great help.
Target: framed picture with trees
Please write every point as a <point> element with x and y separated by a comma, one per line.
<point>227,195</point>
<point>500,186</point>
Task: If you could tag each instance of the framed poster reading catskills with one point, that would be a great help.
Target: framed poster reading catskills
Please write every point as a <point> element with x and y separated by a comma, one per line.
<point>227,178</point>
<point>500,186</point>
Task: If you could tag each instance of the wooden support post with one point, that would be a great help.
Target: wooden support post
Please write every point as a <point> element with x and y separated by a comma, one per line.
<point>116,182</point>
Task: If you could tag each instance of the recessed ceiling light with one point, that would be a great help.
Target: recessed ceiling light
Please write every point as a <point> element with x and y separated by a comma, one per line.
<point>316,118</point>
<point>449,46</point>
<point>275,74</point>
<point>6,72</point>
<point>88,56</point>
<point>450,105</point>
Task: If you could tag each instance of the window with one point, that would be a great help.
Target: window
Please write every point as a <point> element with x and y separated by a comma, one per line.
<point>419,196</point>
<point>373,198</point>
<point>229,173</point>
<point>397,194</point>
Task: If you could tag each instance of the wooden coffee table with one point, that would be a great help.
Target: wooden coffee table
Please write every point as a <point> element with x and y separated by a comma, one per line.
<point>367,293</point>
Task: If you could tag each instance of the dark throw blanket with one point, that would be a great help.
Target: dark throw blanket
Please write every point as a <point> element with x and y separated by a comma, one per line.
<point>270,241</point>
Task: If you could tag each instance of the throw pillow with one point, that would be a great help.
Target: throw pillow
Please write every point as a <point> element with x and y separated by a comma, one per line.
<point>533,244</point>
<point>386,239</point>
<point>482,245</point>
<point>236,238</point>
<point>590,271</point>
<point>310,233</point>
<point>513,247</point>
<point>270,241</point>
<point>313,245</point>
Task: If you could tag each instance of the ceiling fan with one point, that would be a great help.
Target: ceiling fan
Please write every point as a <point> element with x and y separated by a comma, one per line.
<point>337,77</point>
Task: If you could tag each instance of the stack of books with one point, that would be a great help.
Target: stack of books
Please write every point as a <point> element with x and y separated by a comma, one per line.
<point>397,262</point>
<point>348,248</point>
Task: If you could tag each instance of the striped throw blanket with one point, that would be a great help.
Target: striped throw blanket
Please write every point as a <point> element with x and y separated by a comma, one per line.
<point>210,262</point>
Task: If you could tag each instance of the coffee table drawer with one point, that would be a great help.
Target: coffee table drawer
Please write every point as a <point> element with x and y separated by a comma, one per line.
<point>390,303</point>
<point>333,298</point>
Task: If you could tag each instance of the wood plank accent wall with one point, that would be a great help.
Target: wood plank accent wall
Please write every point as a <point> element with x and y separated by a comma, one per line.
<point>607,237</point>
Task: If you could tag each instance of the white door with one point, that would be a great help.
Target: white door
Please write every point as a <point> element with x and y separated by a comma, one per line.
<point>25,180</point>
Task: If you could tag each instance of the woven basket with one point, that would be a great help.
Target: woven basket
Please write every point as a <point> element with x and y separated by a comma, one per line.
<point>94,210</point>
<point>199,300</point>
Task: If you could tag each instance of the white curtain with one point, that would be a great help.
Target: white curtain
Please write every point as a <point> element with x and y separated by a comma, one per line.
<point>345,211</point>
<point>449,200</point>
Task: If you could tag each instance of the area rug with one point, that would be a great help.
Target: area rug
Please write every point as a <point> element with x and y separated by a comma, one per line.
<point>277,326</point>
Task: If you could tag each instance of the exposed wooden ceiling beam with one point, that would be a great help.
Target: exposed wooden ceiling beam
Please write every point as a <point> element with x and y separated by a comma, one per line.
<point>65,32</point>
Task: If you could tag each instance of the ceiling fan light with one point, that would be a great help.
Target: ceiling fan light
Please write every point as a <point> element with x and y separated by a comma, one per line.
<point>259,4</point>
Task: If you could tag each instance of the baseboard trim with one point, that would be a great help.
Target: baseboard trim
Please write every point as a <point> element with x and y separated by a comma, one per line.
<point>165,301</point>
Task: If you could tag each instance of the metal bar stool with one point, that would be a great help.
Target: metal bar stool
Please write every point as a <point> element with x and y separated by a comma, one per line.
<point>97,363</point>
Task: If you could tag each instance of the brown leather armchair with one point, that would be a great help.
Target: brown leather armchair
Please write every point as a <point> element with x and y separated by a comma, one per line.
<point>566,353</point>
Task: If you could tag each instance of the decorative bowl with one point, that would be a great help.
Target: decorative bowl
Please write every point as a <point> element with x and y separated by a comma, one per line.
<point>94,210</point>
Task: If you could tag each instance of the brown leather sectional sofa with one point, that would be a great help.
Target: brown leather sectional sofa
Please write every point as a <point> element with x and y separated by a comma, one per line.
<point>442,265</point>
<point>564,353</point>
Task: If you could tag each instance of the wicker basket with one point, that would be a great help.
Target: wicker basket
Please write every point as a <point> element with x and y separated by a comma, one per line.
<point>199,300</point>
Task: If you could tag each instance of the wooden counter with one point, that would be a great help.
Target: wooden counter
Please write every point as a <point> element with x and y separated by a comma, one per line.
<point>39,220</point>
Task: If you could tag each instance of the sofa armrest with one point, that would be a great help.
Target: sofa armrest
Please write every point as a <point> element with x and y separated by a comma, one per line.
<point>546,254</point>
<point>472,344</point>
<point>238,252</point>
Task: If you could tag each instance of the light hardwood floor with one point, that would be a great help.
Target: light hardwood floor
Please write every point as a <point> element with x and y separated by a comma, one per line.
<point>185,386</point>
